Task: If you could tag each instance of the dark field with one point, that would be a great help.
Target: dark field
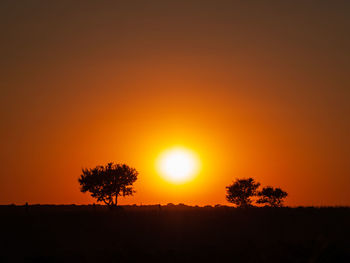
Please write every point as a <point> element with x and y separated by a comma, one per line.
<point>173,234</point>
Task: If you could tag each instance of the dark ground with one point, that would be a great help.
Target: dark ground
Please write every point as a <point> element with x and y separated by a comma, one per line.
<point>173,234</point>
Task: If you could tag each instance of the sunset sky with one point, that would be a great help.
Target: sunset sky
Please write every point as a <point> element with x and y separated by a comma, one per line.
<point>254,88</point>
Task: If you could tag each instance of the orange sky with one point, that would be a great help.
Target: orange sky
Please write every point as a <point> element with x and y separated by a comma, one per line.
<point>257,90</point>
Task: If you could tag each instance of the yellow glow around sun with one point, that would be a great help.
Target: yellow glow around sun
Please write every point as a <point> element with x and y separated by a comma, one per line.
<point>178,165</point>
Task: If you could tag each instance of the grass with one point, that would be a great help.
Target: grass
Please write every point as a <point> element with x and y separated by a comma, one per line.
<point>173,234</point>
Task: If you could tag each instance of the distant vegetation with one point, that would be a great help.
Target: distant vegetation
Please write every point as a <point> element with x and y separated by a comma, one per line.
<point>106,183</point>
<point>273,197</point>
<point>242,191</point>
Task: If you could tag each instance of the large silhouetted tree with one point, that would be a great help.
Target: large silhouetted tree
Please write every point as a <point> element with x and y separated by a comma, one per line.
<point>271,196</point>
<point>241,191</point>
<point>106,183</point>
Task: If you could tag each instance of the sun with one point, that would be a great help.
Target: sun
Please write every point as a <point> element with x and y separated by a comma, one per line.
<point>178,165</point>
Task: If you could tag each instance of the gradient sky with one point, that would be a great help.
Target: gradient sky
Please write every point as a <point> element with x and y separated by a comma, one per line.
<point>256,88</point>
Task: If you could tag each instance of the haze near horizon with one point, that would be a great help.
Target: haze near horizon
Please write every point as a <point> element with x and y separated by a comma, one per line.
<point>257,89</point>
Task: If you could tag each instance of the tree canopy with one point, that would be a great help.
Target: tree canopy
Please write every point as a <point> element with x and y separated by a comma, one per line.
<point>106,183</point>
<point>271,196</point>
<point>241,191</point>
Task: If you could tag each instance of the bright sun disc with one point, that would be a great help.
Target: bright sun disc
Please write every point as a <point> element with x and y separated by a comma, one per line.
<point>178,165</point>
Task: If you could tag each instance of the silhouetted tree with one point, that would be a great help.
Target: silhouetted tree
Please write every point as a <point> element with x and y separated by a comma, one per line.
<point>272,196</point>
<point>106,183</point>
<point>241,191</point>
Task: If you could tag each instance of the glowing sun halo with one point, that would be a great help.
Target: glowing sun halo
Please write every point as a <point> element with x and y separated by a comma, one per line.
<point>178,165</point>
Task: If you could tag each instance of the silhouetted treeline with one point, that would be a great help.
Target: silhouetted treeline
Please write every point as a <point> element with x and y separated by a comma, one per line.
<point>242,191</point>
